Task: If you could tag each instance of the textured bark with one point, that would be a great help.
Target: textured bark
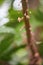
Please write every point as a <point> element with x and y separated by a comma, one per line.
<point>31,41</point>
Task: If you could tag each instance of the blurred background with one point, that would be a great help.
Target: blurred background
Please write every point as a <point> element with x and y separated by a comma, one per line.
<point>13,50</point>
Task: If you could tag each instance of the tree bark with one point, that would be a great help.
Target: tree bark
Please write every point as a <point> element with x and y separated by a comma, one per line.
<point>31,41</point>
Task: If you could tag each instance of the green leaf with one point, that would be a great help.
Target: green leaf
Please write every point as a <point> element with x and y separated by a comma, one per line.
<point>5,43</point>
<point>1,2</point>
<point>5,29</point>
<point>18,56</point>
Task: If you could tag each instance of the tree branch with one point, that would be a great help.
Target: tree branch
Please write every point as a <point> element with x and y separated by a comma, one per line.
<point>31,41</point>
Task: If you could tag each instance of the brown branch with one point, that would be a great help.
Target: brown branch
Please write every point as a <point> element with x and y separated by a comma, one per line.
<point>31,41</point>
<point>26,20</point>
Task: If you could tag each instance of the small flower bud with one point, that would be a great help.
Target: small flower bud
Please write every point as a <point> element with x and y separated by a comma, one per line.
<point>24,14</point>
<point>36,54</point>
<point>28,17</point>
<point>30,12</point>
<point>19,19</point>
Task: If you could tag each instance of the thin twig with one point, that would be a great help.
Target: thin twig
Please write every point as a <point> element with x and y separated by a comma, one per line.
<point>31,42</point>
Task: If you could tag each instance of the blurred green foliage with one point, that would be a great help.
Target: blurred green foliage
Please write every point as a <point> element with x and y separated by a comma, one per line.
<point>1,2</point>
<point>12,48</point>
